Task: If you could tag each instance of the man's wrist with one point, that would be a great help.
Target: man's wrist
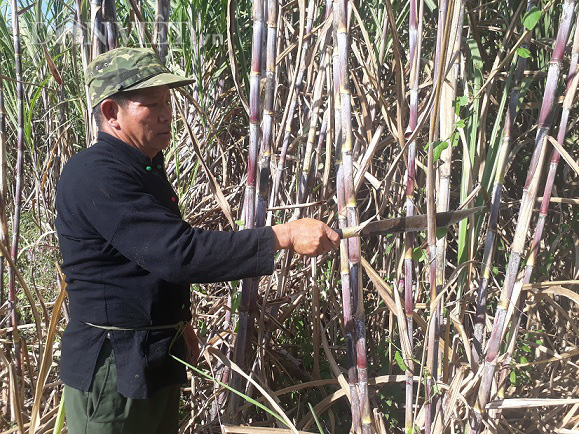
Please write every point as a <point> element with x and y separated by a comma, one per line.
<point>281,237</point>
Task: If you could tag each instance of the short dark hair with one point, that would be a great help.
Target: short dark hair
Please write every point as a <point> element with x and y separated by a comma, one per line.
<point>120,98</point>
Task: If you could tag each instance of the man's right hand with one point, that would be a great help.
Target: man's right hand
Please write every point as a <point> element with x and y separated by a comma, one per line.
<point>306,236</point>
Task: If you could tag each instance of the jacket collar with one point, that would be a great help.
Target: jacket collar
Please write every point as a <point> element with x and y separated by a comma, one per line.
<point>129,152</point>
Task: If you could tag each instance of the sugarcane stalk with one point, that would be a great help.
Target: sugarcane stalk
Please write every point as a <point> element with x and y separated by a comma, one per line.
<point>98,32</point>
<point>355,272</point>
<point>342,223</point>
<point>447,128</point>
<point>571,89</point>
<point>110,25</point>
<point>316,106</point>
<point>85,58</point>
<point>249,286</point>
<point>290,113</point>
<point>446,11</point>
<point>4,237</point>
<point>162,11</point>
<point>480,317</point>
<point>18,187</point>
<point>526,208</point>
<point>267,139</point>
<point>415,39</point>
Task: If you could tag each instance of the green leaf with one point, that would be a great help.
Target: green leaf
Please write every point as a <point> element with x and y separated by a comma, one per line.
<point>460,123</point>
<point>531,18</point>
<point>462,100</point>
<point>418,255</point>
<point>400,361</point>
<point>440,233</point>
<point>237,392</point>
<point>523,52</point>
<point>438,148</point>
<point>513,378</point>
<point>318,424</point>
<point>235,301</point>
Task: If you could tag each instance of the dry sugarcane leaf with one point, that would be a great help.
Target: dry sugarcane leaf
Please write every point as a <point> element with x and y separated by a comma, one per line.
<point>46,362</point>
<point>213,184</point>
<point>558,290</point>
<point>384,293</point>
<point>216,353</point>
<point>334,366</point>
<point>25,288</point>
<point>330,399</point>
<point>233,429</point>
<point>443,418</point>
<point>463,336</point>
<point>530,402</point>
<point>568,158</point>
<point>52,66</point>
<point>557,358</point>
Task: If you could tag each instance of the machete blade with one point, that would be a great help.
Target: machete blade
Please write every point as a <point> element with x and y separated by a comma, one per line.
<point>407,224</point>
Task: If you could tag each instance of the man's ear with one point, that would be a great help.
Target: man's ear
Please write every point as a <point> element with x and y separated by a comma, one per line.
<point>110,111</point>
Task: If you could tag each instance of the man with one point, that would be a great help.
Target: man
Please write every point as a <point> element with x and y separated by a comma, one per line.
<point>129,257</point>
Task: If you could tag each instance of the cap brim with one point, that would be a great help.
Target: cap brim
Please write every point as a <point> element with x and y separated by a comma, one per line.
<point>162,79</point>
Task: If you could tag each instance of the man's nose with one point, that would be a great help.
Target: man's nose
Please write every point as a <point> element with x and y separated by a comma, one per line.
<point>167,113</point>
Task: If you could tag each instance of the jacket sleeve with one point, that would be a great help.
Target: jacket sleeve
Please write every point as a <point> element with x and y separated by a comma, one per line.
<point>112,200</point>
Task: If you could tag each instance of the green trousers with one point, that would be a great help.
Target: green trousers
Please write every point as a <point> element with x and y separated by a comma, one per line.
<point>102,410</point>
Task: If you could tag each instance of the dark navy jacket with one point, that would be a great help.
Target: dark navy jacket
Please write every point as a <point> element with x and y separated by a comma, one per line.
<point>129,258</point>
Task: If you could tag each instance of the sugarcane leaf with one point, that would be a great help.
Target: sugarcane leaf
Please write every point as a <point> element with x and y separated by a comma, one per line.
<point>523,52</point>
<point>231,389</point>
<point>513,378</point>
<point>438,148</point>
<point>531,18</point>
<point>60,416</point>
<point>431,5</point>
<point>52,66</point>
<point>400,361</point>
<point>318,424</point>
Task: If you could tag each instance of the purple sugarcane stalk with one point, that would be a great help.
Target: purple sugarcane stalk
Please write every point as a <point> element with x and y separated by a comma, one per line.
<point>343,222</point>
<point>352,218</point>
<point>527,202</point>
<point>264,170</point>
<point>572,82</point>
<point>249,286</point>
<point>162,11</point>
<point>414,60</point>
<point>480,318</point>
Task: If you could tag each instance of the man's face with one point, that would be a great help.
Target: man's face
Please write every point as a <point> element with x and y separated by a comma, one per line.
<point>145,119</point>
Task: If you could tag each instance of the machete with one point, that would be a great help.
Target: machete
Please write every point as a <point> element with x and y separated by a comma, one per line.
<point>406,224</point>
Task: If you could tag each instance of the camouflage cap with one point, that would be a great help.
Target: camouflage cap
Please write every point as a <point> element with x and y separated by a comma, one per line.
<point>127,69</point>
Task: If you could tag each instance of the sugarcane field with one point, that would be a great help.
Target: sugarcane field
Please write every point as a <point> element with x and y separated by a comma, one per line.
<point>289,216</point>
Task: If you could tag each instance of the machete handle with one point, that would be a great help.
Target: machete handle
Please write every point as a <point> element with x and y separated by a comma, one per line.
<point>349,232</point>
